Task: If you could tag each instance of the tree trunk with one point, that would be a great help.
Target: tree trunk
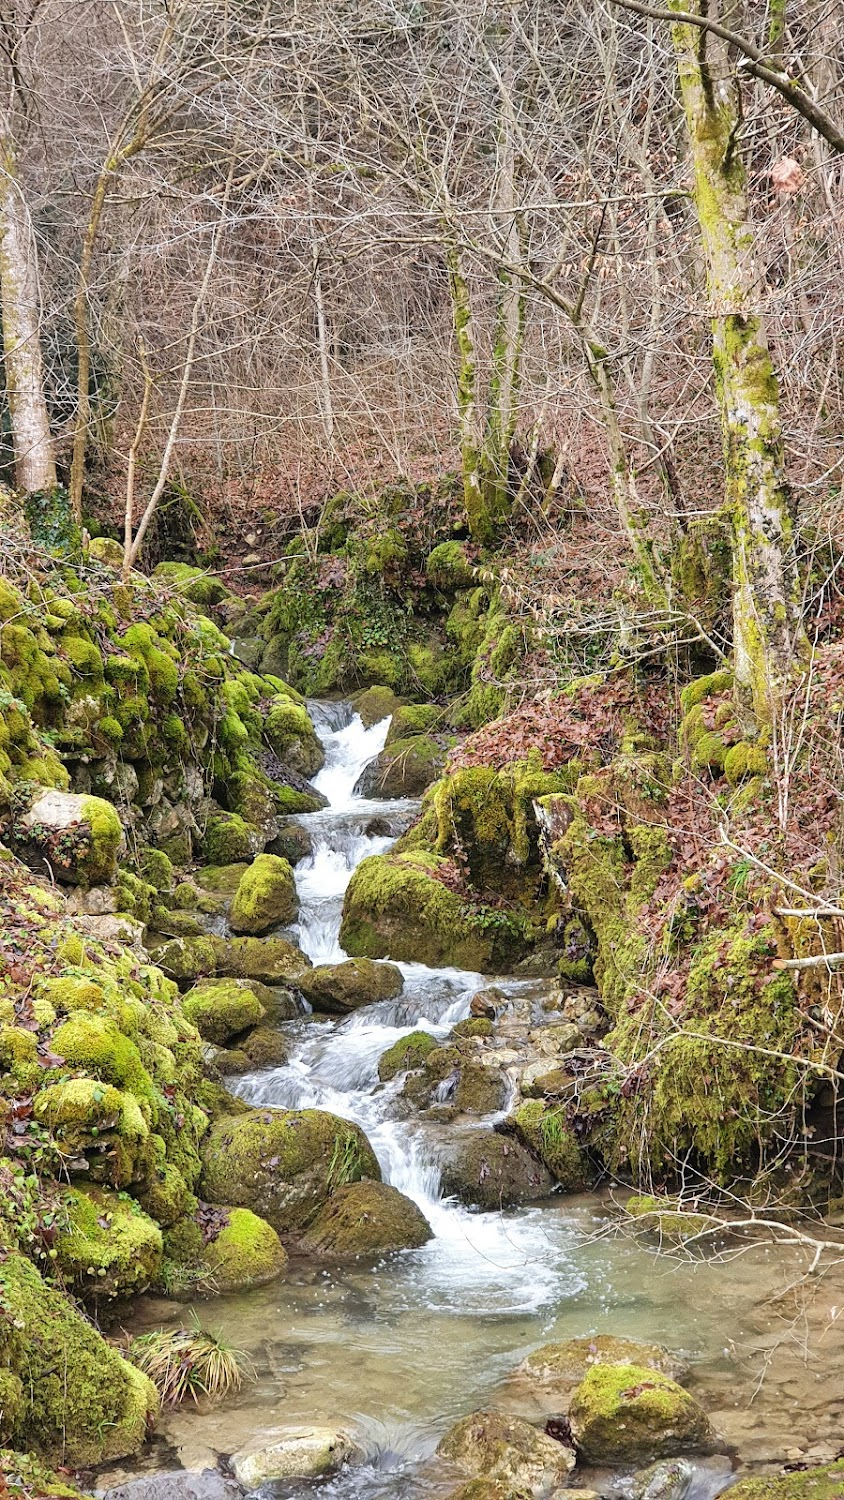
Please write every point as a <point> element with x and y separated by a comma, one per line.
<point>768,633</point>
<point>480,522</point>
<point>35,467</point>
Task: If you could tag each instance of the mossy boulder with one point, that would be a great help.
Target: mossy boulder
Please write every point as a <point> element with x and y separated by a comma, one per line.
<point>823,1483</point>
<point>376,704</point>
<point>222,1008</point>
<point>79,838</point>
<point>284,1164</point>
<point>270,961</point>
<point>77,1401</point>
<point>404,768</point>
<point>630,1414</point>
<point>246,1252</point>
<point>341,988</point>
<point>407,1053</point>
<point>229,838</point>
<point>667,1218</point>
<point>364,1219</point>
<point>496,1446</point>
<point>560,1367</point>
<point>292,842</point>
<point>480,1090</point>
<point>395,907</point>
<point>265,897</point>
<point>545,1132</point>
<point>292,737</point>
<point>266,1048</point>
<point>487,1170</point>
<point>111,1247</point>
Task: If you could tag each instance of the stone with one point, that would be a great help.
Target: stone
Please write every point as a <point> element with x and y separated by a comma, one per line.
<point>667,1480</point>
<point>292,842</point>
<point>341,988</point>
<point>486,1170</point>
<point>561,1367</point>
<point>266,1048</point>
<point>495,1446</point>
<point>177,1484</point>
<point>304,1452</point>
<point>246,1252</point>
<point>822,1483</point>
<point>629,1414</point>
<point>265,897</point>
<point>78,838</point>
<point>284,1164</point>
<point>407,1053</point>
<point>222,1008</point>
<point>366,1218</point>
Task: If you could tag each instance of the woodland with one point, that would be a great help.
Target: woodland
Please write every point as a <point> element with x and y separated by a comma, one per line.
<point>421,760</point>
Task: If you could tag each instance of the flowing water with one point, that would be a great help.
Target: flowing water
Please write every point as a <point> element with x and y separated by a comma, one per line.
<point>398,1351</point>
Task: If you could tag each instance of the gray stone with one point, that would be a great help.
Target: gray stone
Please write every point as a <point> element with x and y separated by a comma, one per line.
<point>303,1452</point>
<point>180,1484</point>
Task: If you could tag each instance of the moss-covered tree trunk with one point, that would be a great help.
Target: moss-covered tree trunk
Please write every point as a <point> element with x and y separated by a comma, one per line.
<point>467,398</point>
<point>768,633</point>
<point>35,468</point>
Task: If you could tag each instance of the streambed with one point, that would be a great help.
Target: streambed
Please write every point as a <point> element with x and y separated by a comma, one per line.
<point>398,1351</point>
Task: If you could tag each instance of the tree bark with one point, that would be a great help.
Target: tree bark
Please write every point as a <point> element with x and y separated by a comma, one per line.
<point>35,467</point>
<point>768,634</point>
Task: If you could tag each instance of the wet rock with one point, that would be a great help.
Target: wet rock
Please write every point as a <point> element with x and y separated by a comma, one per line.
<point>668,1480</point>
<point>266,1048</point>
<point>366,1218</point>
<point>407,1053</point>
<point>486,1170</point>
<point>340,988</point>
<point>265,897</point>
<point>230,1062</point>
<point>221,880</point>
<point>292,842</point>
<point>545,1132</point>
<point>269,960</point>
<point>629,1414</point>
<point>487,1003</point>
<point>480,1090</point>
<point>375,704</point>
<point>493,1446</point>
<point>404,769</point>
<point>283,1164</point>
<point>181,1484</point>
<point>303,1452</point>
<point>561,1367</point>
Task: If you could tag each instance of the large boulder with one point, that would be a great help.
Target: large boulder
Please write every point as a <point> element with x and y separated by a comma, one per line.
<point>271,961</point>
<point>245,1252</point>
<point>222,1008</point>
<point>340,988</point>
<point>823,1483</point>
<point>77,839</point>
<point>366,1218</point>
<point>64,1392</point>
<point>408,1053</point>
<point>404,768</point>
<point>495,1446</point>
<point>487,1170</point>
<point>305,1452</point>
<point>284,1164</point>
<point>545,1132</point>
<point>292,737</point>
<point>630,1414</point>
<point>265,897</point>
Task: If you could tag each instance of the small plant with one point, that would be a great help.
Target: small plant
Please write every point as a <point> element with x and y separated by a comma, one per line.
<point>346,1164</point>
<point>183,1362</point>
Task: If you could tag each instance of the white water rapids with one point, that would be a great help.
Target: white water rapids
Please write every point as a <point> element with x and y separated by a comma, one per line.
<point>491,1262</point>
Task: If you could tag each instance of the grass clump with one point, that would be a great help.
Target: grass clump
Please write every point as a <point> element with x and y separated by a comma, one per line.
<point>193,1362</point>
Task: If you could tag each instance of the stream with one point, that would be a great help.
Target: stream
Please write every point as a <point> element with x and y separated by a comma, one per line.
<point>398,1351</point>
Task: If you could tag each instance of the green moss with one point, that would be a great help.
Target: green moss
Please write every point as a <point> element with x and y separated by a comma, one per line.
<point>366,1219</point>
<point>81,1403</point>
<point>111,1248</point>
<point>705,687</point>
<point>375,704</point>
<point>265,897</point>
<point>284,1163</point>
<point>157,869</point>
<point>106,835</point>
<point>97,1044</point>
<point>666,1217</point>
<point>546,1133</point>
<point>744,760</point>
<point>222,1008</point>
<point>623,1414</point>
<point>448,567</point>
<point>473,1026</point>
<point>292,737</point>
<point>229,839</point>
<point>19,1064</point>
<point>246,1252</point>
<point>407,1053</point>
<point>823,1483</point>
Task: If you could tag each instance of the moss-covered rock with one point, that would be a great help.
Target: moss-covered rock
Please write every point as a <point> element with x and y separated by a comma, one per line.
<point>365,1219</point>
<point>487,1170</point>
<point>79,837</point>
<point>246,1252</point>
<point>375,704</point>
<point>270,961</point>
<point>545,1132</point>
<point>395,907</point>
<point>229,839</point>
<point>292,737</point>
<point>822,1483</point>
<point>222,1008</point>
<point>404,768</point>
<point>283,1164</point>
<point>266,1048</point>
<point>265,897</point>
<point>341,988</point>
<point>667,1217</point>
<point>629,1414</point>
<point>497,1446</point>
<point>79,1402</point>
<point>480,1090</point>
<point>407,1053</point>
<point>292,842</point>
<point>111,1247</point>
<point>565,1365</point>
